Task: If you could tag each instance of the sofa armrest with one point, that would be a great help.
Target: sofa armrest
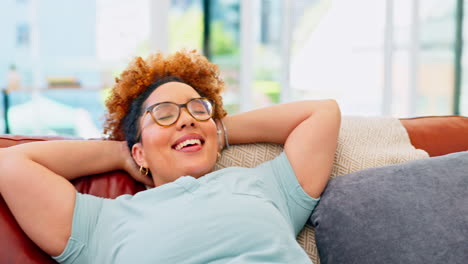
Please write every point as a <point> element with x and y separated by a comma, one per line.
<point>16,247</point>
<point>438,135</point>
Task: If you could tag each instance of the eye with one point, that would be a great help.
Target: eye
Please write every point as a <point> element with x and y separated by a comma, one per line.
<point>165,112</point>
<point>165,117</point>
<point>200,107</point>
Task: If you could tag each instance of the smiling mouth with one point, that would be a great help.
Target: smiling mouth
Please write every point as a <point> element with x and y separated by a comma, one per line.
<point>189,144</point>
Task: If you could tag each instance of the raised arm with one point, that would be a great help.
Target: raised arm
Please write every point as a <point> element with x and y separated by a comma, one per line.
<point>34,183</point>
<point>308,130</point>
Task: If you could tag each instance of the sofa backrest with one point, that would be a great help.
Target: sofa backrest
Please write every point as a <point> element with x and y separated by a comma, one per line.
<point>108,185</point>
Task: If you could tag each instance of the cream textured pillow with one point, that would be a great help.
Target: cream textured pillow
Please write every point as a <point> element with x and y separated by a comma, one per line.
<point>364,142</point>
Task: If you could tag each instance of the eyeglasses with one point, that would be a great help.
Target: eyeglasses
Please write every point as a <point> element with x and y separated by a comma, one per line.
<point>167,113</point>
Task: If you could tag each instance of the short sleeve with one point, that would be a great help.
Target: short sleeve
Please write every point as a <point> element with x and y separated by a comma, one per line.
<point>85,217</point>
<point>281,186</point>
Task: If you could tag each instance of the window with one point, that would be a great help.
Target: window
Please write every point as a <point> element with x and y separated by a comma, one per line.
<point>267,68</point>
<point>185,25</point>
<point>225,34</point>
<point>339,54</point>
<point>343,55</point>
<point>264,46</point>
<point>436,70</point>
<point>65,112</point>
<point>336,49</point>
<point>22,35</point>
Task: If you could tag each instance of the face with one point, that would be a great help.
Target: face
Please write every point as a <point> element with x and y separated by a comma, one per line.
<point>165,150</point>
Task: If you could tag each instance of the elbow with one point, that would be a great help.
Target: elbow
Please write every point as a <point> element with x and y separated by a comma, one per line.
<point>326,107</point>
<point>326,104</point>
<point>335,111</point>
<point>335,108</point>
<point>331,107</point>
<point>331,112</point>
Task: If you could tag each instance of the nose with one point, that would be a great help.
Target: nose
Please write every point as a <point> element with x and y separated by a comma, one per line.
<point>185,119</point>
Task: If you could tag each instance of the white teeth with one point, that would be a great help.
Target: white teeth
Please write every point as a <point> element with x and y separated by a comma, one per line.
<point>188,142</point>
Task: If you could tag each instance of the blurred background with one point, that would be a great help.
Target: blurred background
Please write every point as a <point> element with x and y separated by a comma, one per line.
<point>401,58</point>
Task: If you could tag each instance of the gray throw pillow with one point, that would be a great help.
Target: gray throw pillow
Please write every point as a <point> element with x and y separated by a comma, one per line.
<point>415,212</point>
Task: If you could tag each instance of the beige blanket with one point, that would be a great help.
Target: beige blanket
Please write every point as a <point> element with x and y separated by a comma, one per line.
<point>363,142</point>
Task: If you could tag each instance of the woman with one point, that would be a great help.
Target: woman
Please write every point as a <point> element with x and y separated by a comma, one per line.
<point>166,126</point>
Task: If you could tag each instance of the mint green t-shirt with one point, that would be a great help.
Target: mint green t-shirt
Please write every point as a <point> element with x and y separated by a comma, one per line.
<point>233,215</point>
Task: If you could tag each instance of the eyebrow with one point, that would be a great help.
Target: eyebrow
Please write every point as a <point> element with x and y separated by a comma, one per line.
<point>167,101</point>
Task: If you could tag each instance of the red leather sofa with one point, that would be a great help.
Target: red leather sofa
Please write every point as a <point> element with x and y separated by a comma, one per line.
<point>438,135</point>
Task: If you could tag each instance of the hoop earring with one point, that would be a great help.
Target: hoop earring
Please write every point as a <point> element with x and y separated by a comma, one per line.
<point>218,132</point>
<point>144,171</point>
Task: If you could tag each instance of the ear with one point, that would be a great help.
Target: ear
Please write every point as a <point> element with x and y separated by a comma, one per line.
<point>139,155</point>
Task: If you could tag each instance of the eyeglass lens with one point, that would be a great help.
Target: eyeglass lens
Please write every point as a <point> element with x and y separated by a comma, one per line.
<point>168,113</point>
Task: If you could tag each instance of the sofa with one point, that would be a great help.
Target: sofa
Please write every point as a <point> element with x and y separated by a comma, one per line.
<point>434,135</point>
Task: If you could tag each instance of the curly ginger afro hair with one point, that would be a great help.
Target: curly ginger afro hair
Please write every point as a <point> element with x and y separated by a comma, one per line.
<point>189,67</point>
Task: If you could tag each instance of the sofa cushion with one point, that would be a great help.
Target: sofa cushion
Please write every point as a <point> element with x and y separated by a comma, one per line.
<point>438,135</point>
<point>415,212</point>
<point>367,142</point>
